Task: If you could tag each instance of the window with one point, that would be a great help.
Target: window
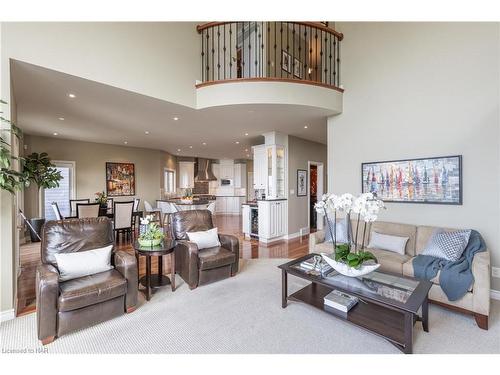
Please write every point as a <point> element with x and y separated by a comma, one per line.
<point>61,194</point>
<point>169,181</point>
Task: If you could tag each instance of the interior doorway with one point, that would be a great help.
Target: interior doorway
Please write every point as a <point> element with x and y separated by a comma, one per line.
<point>315,171</point>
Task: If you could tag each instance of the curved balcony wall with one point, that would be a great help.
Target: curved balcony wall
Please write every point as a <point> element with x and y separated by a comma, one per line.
<point>295,63</point>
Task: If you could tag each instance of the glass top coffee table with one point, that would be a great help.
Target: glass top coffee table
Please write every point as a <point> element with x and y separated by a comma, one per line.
<point>388,305</point>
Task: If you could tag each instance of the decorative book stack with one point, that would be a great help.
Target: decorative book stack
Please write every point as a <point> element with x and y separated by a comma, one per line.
<point>340,301</point>
<point>316,264</point>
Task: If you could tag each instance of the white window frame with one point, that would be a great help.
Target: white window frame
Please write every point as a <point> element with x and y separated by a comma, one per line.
<point>72,181</point>
<point>174,188</point>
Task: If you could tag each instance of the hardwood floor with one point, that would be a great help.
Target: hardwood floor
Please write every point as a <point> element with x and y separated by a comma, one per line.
<point>228,224</point>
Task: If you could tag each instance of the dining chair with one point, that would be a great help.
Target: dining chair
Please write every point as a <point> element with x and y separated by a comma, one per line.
<point>156,212</point>
<point>122,218</point>
<point>84,210</point>
<point>211,208</point>
<point>109,202</point>
<point>136,208</point>
<point>72,205</point>
<point>167,209</point>
<point>56,210</point>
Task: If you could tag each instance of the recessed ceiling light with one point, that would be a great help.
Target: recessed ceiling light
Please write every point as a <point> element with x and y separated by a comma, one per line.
<point>305,127</point>
<point>204,143</point>
<point>237,142</point>
<point>175,118</point>
<point>125,142</point>
<point>146,132</point>
<point>72,96</point>
<point>178,150</point>
<point>248,156</point>
<point>246,133</point>
<point>246,150</point>
<point>56,133</point>
<point>61,118</point>
<point>190,146</point>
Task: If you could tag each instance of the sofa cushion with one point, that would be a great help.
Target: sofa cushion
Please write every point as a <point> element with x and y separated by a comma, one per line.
<point>388,242</point>
<point>397,229</point>
<point>390,261</point>
<point>91,289</point>
<point>408,271</point>
<point>424,234</point>
<point>214,257</point>
<point>83,263</point>
<point>447,245</point>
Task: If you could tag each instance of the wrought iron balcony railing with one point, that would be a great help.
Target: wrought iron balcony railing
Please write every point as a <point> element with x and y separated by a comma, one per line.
<point>304,52</point>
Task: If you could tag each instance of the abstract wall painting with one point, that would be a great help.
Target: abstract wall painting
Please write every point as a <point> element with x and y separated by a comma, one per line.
<point>435,180</point>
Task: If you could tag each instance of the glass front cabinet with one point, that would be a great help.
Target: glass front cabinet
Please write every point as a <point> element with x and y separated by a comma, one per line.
<point>275,171</point>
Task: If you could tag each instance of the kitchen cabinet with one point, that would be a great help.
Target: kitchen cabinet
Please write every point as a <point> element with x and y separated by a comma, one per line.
<point>270,170</point>
<point>229,205</point>
<point>259,166</point>
<point>272,219</point>
<point>246,220</point>
<point>186,174</point>
<point>213,185</point>
<point>226,171</point>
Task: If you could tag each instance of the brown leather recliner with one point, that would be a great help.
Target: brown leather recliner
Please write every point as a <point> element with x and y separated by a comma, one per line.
<point>62,307</point>
<point>198,267</point>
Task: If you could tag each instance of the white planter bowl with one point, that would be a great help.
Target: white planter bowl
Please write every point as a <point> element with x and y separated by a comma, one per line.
<point>345,270</point>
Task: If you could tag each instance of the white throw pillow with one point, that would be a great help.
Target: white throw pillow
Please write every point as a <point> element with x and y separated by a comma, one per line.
<point>83,263</point>
<point>387,242</point>
<point>204,239</point>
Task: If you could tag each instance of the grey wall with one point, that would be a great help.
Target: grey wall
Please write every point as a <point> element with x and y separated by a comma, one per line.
<point>91,158</point>
<point>300,151</point>
<point>420,90</point>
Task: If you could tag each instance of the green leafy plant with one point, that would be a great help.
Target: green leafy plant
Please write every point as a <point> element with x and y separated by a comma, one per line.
<point>10,179</point>
<point>153,232</point>
<point>101,198</point>
<point>343,254</point>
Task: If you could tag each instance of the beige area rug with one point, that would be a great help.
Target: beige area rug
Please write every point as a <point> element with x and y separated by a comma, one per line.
<point>243,314</point>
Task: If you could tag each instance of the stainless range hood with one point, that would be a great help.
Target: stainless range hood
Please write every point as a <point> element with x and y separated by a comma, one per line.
<point>205,171</point>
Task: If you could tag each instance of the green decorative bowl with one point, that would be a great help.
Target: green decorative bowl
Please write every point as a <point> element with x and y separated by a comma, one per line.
<point>150,243</point>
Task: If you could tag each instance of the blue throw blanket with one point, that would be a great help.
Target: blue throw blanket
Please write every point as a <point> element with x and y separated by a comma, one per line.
<point>456,277</point>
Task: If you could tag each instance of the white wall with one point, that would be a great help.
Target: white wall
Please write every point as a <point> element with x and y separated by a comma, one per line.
<point>161,60</point>
<point>421,90</point>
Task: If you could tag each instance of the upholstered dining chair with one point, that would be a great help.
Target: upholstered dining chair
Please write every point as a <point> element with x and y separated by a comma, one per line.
<point>84,210</point>
<point>137,201</point>
<point>109,202</point>
<point>66,306</point>
<point>202,266</point>
<point>56,210</point>
<point>122,218</point>
<point>73,202</point>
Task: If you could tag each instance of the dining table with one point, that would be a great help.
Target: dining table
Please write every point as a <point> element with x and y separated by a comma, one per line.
<point>108,213</point>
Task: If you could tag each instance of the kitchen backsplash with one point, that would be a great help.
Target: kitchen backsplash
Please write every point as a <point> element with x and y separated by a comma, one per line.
<point>200,187</point>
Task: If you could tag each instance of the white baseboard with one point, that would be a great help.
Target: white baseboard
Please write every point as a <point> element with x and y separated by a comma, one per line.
<point>495,294</point>
<point>292,236</point>
<point>7,315</point>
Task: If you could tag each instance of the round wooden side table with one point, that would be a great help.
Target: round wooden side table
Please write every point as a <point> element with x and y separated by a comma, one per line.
<point>153,281</point>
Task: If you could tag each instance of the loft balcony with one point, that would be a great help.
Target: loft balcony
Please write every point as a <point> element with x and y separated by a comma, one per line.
<point>295,63</point>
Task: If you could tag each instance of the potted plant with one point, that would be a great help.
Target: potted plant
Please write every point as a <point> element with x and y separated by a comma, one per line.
<point>349,259</point>
<point>10,179</point>
<point>150,233</point>
<point>102,199</point>
<point>38,169</point>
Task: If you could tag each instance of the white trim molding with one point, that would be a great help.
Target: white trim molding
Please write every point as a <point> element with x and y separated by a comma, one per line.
<point>495,294</point>
<point>7,315</point>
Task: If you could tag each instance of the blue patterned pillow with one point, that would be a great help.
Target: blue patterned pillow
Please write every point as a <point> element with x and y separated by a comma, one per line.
<point>342,236</point>
<point>447,245</point>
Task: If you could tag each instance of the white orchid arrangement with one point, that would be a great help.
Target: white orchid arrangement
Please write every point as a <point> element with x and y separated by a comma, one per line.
<point>147,219</point>
<point>366,206</point>
<point>152,230</point>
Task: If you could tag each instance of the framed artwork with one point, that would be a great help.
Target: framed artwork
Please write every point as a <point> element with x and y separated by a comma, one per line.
<point>301,183</point>
<point>286,62</point>
<point>435,180</point>
<point>298,69</point>
<point>120,179</point>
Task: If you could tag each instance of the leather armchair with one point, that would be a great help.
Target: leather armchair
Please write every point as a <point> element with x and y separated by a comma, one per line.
<point>62,307</point>
<point>199,267</point>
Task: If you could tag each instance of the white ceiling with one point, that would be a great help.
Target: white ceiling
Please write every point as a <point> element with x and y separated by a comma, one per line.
<point>105,114</point>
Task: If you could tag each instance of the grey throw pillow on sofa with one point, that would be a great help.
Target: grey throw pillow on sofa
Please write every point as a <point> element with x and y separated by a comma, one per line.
<point>447,245</point>
<point>342,236</point>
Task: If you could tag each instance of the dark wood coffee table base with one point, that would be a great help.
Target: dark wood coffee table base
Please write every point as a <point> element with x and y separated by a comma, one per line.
<point>392,324</point>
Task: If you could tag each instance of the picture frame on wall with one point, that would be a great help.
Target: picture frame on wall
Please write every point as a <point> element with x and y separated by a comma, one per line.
<point>120,179</point>
<point>298,69</point>
<point>301,182</point>
<point>433,180</point>
<point>286,62</point>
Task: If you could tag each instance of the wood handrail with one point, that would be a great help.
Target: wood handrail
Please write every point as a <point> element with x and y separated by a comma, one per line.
<point>269,79</point>
<point>315,25</point>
